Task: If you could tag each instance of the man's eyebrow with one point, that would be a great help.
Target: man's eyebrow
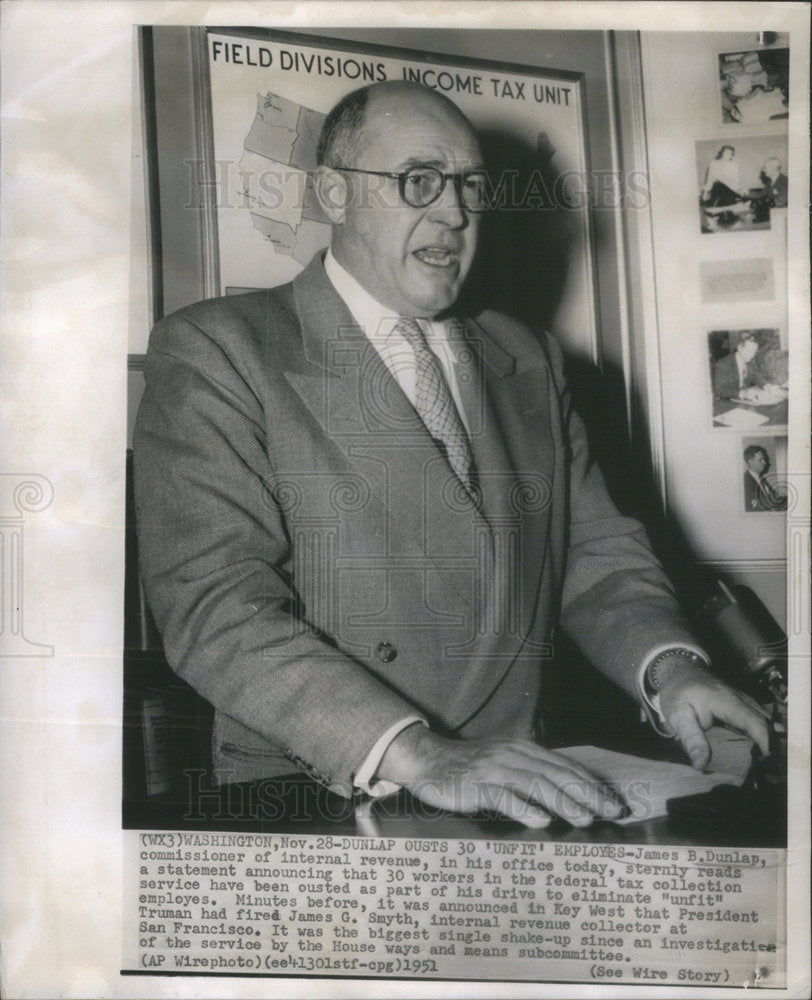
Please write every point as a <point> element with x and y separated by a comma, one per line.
<point>439,164</point>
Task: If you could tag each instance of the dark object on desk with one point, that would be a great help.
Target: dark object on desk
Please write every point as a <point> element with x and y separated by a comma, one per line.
<point>760,208</point>
<point>752,648</point>
<point>759,806</point>
<point>748,646</point>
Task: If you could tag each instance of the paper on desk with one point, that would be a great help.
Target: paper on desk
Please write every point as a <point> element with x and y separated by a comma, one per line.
<point>645,785</point>
<point>740,419</point>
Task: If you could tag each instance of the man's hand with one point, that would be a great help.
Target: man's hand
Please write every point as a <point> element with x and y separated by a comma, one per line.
<point>517,778</point>
<point>692,700</point>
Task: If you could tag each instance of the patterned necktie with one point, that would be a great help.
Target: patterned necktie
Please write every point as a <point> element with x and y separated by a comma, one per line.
<point>434,404</point>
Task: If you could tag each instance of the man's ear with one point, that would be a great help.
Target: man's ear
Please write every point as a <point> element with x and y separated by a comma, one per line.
<point>333,193</point>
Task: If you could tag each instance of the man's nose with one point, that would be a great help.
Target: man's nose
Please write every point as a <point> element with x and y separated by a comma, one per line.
<point>448,209</point>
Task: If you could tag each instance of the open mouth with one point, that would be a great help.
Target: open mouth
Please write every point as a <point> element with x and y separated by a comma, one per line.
<point>438,256</point>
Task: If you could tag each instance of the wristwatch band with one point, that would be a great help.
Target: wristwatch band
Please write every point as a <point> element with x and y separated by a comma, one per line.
<point>652,679</point>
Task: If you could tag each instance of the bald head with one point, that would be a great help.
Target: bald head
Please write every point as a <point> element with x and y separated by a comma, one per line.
<point>350,128</point>
<point>773,167</point>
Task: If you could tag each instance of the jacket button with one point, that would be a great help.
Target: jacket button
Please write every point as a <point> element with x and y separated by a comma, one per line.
<point>386,652</point>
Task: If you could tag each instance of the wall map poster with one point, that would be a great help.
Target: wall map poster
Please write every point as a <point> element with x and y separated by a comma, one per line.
<point>270,93</point>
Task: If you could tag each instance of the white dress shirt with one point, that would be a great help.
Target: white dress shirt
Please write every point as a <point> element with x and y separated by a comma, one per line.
<point>741,364</point>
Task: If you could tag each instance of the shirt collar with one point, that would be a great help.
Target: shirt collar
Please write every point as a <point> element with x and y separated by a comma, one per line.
<point>377,320</point>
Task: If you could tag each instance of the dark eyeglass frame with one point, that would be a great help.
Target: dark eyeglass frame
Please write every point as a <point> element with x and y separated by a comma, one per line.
<point>402,176</point>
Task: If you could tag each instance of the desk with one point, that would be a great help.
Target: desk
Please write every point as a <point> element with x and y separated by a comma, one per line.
<point>296,804</point>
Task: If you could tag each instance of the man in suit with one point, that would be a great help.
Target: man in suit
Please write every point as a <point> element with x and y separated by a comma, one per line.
<point>734,376</point>
<point>361,514</point>
<point>776,182</point>
<point>759,493</point>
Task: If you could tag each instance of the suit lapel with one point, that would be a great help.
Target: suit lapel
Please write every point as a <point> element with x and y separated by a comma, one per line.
<point>514,453</point>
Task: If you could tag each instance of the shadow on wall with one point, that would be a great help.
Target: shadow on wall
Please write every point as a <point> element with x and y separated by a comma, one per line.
<point>522,269</point>
<point>524,248</point>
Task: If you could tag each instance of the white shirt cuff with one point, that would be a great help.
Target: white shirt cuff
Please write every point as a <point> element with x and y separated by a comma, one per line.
<point>651,702</point>
<point>365,775</point>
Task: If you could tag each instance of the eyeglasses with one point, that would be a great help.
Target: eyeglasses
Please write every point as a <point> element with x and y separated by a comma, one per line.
<point>420,187</point>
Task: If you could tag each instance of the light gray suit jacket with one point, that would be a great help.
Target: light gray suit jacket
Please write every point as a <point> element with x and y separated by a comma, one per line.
<point>314,572</point>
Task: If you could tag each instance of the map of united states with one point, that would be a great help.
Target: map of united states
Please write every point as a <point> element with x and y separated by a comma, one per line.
<point>280,150</point>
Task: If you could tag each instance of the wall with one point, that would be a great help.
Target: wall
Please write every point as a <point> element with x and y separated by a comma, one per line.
<point>703,463</point>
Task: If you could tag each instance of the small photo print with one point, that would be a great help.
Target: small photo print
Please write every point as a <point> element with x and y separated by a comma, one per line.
<point>749,377</point>
<point>741,183</point>
<point>764,475</point>
<point>754,86</point>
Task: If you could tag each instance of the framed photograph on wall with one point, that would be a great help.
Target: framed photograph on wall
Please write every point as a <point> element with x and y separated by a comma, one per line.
<point>764,487</point>
<point>749,374</point>
<point>754,86</point>
<point>741,183</point>
<point>262,96</point>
